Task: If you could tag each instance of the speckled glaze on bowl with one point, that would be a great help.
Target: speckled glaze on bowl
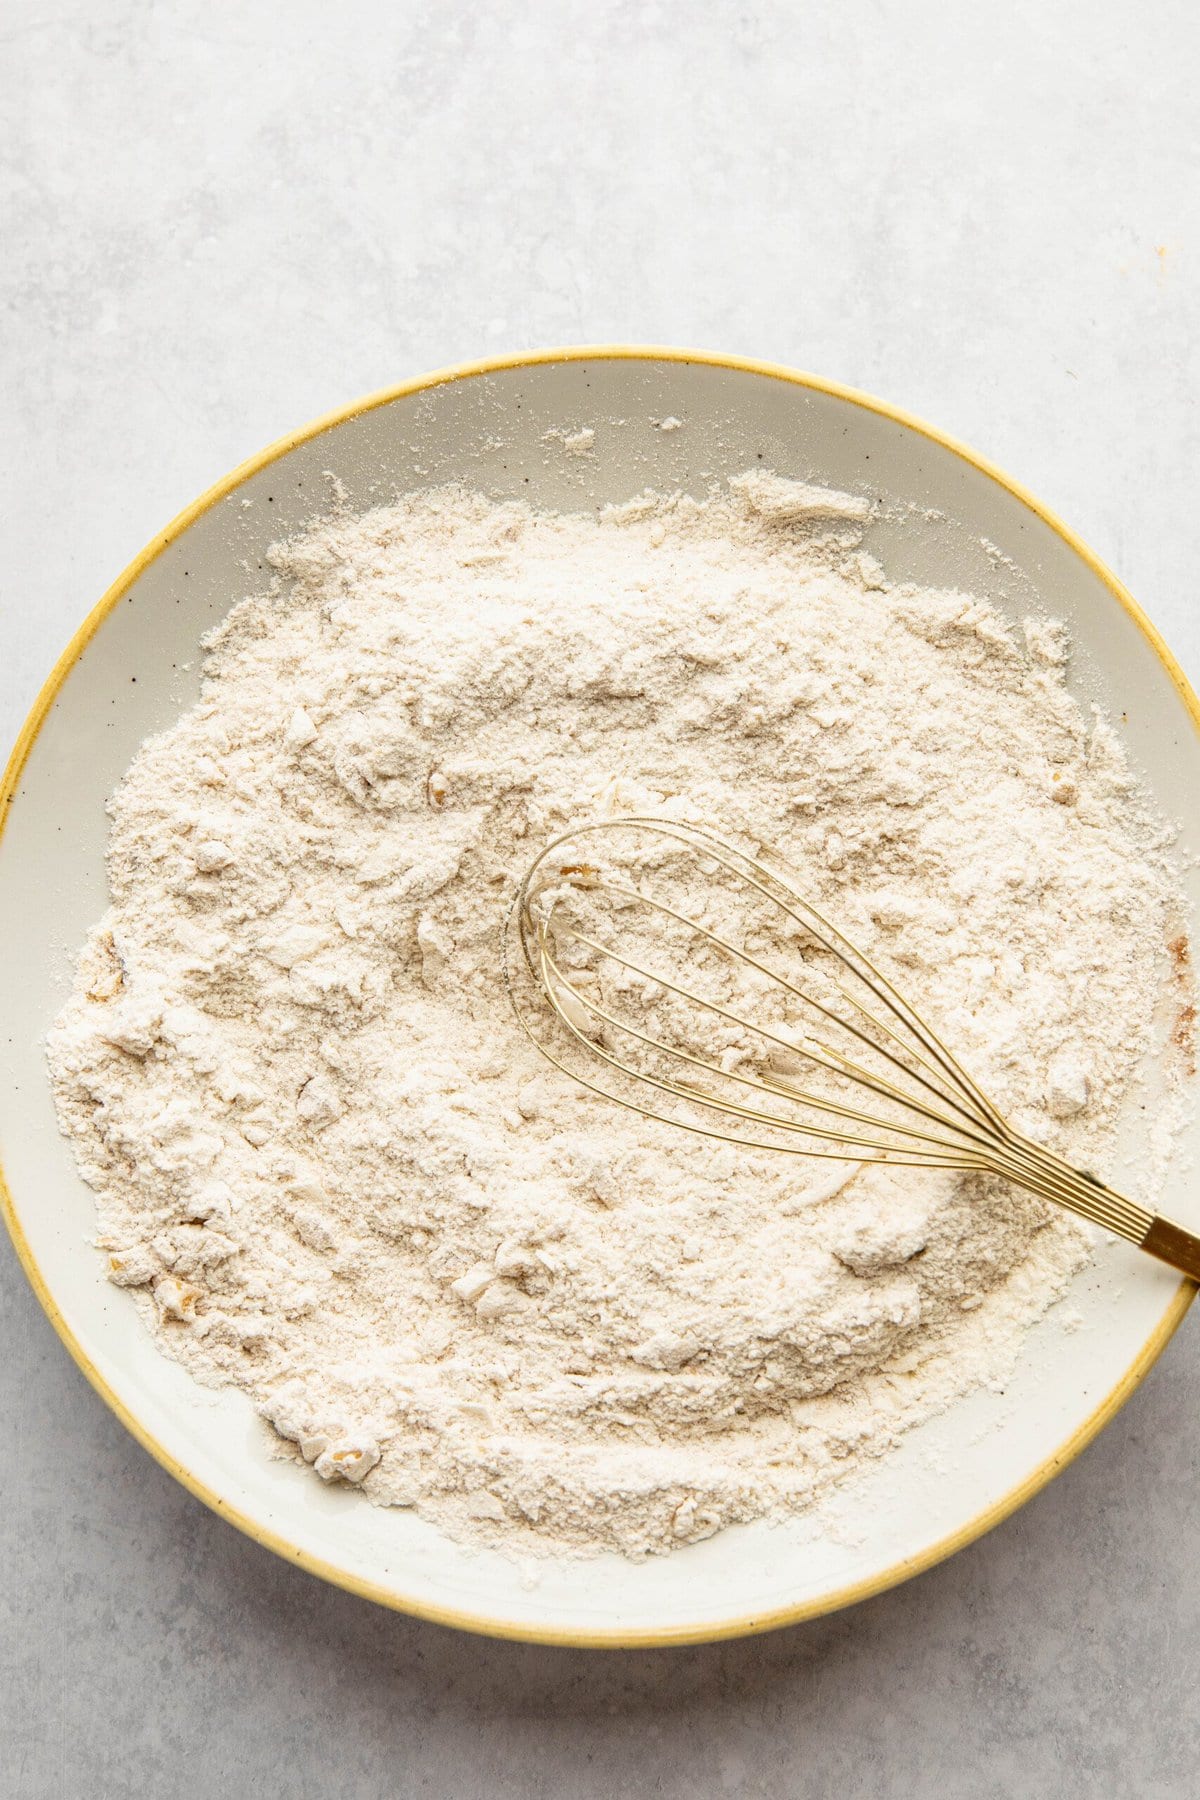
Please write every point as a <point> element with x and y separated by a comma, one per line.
<point>951,519</point>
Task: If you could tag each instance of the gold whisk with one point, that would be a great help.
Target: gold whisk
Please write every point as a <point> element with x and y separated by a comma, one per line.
<point>877,1086</point>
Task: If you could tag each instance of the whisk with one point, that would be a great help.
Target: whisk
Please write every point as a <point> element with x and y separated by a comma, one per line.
<point>692,982</point>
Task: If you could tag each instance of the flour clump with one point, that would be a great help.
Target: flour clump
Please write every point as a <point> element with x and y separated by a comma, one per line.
<point>330,1169</point>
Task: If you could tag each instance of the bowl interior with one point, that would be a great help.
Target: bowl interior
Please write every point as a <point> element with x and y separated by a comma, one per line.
<point>947,521</point>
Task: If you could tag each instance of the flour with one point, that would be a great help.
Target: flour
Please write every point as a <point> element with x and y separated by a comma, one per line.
<point>330,1169</point>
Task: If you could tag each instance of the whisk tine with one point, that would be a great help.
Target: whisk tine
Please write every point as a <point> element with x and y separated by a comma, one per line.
<point>827,1054</point>
<point>781,1089</point>
<point>924,1111</point>
<point>824,1056</point>
<point>850,955</point>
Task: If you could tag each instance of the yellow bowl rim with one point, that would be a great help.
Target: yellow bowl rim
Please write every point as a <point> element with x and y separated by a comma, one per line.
<point>615,1637</point>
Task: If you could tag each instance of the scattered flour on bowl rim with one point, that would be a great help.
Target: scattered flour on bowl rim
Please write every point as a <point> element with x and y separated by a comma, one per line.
<point>331,1170</point>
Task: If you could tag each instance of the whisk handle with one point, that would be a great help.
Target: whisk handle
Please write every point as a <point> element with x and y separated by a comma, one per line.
<point>1041,1171</point>
<point>1172,1244</point>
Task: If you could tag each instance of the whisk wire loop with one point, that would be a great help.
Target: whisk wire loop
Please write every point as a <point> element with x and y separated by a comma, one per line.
<point>818,1052</point>
<point>555,977</point>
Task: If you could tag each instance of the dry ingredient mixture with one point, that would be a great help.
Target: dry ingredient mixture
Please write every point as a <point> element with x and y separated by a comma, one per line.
<point>331,1169</point>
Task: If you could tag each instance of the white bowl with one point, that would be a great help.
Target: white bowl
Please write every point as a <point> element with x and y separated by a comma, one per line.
<point>132,668</point>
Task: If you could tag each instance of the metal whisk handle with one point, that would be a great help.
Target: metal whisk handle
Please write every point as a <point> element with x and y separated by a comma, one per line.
<point>1045,1173</point>
<point>1172,1244</point>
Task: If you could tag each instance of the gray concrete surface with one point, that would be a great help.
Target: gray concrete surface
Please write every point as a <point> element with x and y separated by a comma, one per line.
<point>218,221</point>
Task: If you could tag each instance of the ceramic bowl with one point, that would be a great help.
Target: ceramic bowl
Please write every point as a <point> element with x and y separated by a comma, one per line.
<point>132,668</point>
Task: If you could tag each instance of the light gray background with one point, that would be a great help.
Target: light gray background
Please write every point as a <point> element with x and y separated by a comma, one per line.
<point>220,220</point>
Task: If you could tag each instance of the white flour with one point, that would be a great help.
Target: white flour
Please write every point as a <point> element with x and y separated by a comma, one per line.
<point>332,1171</point>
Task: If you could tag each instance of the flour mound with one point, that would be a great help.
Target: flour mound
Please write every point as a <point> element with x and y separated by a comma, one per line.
<point>330,1169</point>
